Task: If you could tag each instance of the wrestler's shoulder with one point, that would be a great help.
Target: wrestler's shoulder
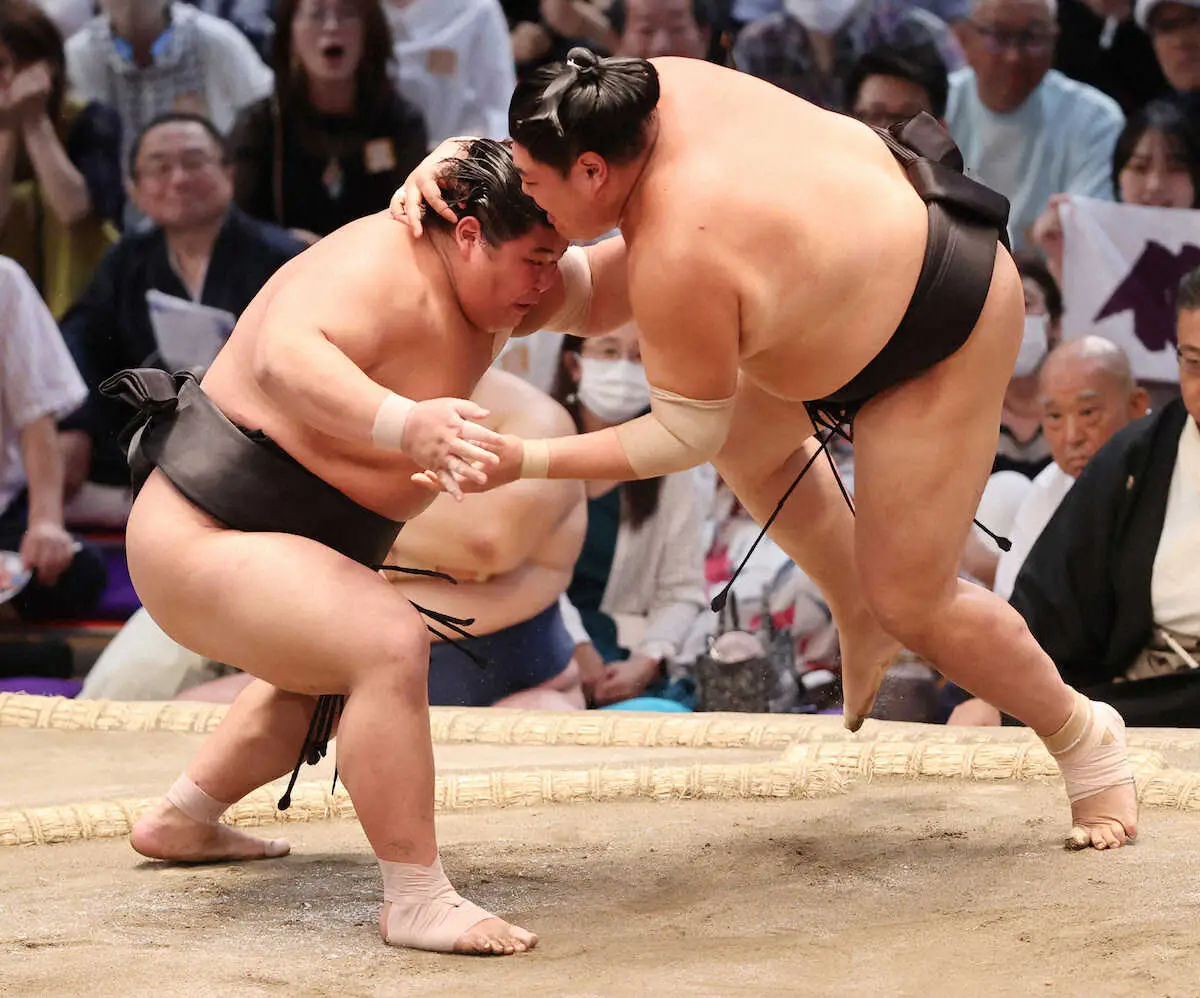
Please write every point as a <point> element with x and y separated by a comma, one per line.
<point>520,408</point>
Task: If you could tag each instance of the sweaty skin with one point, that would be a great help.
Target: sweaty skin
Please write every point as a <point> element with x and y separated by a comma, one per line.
<point>772,250</point>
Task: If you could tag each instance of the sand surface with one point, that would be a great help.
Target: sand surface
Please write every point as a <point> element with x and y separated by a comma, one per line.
<point>894,888</point>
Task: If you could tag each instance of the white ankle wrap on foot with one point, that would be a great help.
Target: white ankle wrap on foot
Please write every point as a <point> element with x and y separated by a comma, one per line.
<point>1090,750</point>
<point>427,913</point>
<point>194,802</point>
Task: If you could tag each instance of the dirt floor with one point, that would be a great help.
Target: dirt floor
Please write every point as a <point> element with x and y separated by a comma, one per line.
<point>894,888</point>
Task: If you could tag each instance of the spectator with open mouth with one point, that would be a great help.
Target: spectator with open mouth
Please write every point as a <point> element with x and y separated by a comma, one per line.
<point>335,138</point>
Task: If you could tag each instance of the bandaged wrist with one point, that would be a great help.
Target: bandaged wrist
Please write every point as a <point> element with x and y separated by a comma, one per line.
<point>390,420</point>
<point>535,459</point>
<point>679,433</point>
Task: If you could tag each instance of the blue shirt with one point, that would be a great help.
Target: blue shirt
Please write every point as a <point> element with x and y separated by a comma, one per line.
<point>1060,141</point>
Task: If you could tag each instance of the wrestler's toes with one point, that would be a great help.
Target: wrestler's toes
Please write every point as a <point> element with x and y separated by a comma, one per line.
<point>495,937</point>
<point>1107,820</point>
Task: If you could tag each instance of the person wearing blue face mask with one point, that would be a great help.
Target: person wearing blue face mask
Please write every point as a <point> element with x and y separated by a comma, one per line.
<point>641,566</point>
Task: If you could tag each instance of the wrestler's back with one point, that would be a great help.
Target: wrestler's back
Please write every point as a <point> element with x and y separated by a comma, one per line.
<point>386,303</point>
<point>809,215</point>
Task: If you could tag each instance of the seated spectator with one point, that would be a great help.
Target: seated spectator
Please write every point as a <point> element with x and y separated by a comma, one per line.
<point>1100,43</point>
<point>1087,393</point>
<point>38,386</point>
<point>146,58</point>
<point>642,560</point>
<point>1111,587</point>
<point>336,139</point>
<point>890,84</point>
<point>455,63</point>
<point>512,552</point>
<point>1156,162</point>
<point>202,249</point>
<point>69,16</point>
<point>60,170</point>
<point>809,48</point>
<point>648,29</point>
<point>1174,30</point>
<point>1025,129</point>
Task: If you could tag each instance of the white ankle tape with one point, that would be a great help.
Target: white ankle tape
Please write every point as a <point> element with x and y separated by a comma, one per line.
<point>426,913</point>
<point>1090,749</point>
<point>194,802</point>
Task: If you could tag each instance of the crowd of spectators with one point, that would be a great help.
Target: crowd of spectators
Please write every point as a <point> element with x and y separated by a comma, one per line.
<point>161,159</point>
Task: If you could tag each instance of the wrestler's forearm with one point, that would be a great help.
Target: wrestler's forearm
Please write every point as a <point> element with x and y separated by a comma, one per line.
<point>596,456</point>
<point>318,385</point>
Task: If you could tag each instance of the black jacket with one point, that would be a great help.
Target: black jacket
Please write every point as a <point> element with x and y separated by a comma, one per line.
<point>1084,590</point>
<point>109,327</point>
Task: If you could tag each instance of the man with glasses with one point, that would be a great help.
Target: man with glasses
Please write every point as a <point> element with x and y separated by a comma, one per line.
<point>890,84</point>
<point>1111,588</point>
<point>1024,129</point>
<point>1174,29</point>
<point>201,249</point>
<point>144,58</point>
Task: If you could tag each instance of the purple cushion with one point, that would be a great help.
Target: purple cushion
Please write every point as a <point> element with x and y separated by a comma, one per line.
<point>41,687</point>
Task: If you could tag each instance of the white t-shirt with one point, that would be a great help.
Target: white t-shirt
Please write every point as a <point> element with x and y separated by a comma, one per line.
<point>37,376</point>
<point>1060,141</point>
<point>455,62</point>
<point>1175,583</point>
<point>1035,511</point>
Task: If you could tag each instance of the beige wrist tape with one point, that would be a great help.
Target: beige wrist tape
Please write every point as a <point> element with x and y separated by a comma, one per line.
<point>576,271</point>
<point>390,420</point>
<point>535,459</point>
<point>677,434</point>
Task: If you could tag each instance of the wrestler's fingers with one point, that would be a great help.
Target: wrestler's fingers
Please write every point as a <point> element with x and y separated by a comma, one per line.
<point>470,471</point>
<point>481,435</point>
<point>470,452</point>
<point>450,484</point>
<point>427,480</point>
<point>396,206</point>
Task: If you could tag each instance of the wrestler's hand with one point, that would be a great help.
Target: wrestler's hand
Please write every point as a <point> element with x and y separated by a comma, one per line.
<point>441,436</point>
<point>47,549</point>
<point>421,187</point>
<point>469,478</point>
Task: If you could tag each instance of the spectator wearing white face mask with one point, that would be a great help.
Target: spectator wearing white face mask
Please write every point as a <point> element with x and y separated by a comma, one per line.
<point>638,585</point>
<point>1022,446</point>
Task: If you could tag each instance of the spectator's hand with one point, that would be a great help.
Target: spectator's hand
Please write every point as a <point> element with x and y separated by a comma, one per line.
<point>1047,234</point>
<point>30,90</point>
<point>626,680</point>
<point>47,549</point>
<point>975,713</point>
<point>440,436</point>
<point>591,669</point>
<point>421,188</point>
<point>529,41</point>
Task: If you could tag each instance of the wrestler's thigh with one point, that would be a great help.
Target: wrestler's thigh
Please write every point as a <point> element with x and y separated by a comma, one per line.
<point>283,608</point>
<point>766,431</point>
<point>923,451</point>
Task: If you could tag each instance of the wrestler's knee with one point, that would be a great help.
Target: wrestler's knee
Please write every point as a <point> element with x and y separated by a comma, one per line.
<point>400,662</point>
<point>909,613</point>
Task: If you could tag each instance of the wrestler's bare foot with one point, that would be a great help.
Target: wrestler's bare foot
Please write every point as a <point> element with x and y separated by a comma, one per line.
<point>490,936</point>
<point>1106,821</point>
<point>1090,751</point>
<point>167,833</point>
<point>867,653</point>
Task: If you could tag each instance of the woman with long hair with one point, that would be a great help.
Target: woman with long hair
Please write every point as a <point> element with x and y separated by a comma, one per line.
<point>335,138</point>
<point>642,555</point>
